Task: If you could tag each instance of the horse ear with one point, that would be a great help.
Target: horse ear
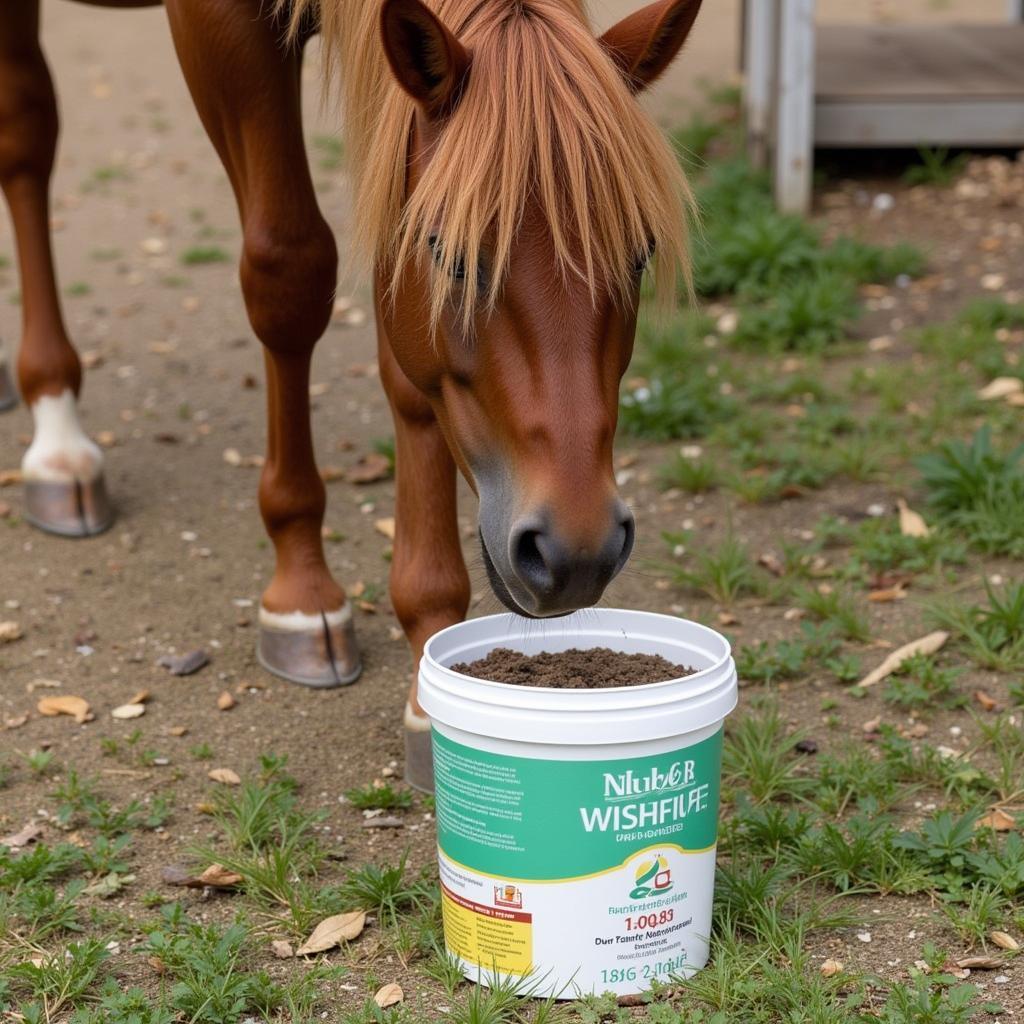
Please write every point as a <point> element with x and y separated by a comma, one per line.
<point>644,44</point>
<point>428,62</point>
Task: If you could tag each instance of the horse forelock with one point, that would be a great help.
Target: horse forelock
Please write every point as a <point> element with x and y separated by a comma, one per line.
<point>545,117</point>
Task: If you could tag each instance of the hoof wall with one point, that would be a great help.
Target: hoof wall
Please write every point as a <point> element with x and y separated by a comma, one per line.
<point>8,396</point>
<point>322,658</point>
<point>69,509</point>
<point>419,759</point>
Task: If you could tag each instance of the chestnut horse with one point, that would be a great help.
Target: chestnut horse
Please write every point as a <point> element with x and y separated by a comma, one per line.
<point>511,192</point>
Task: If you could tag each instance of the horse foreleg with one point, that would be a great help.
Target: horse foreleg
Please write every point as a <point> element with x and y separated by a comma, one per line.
<point>246,89</point>
<point>62,469</point>
<point>429,582</point>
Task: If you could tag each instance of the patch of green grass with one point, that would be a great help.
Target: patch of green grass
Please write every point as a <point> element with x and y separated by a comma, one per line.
<point>805,314</point>
<point>379,797</point>
<point>199,255</point>
<point>694,476</point>
<point>672,392</point>
<point>211,985</point>
<point>78,288</point>
<point>921,683</point>
<point>331,151</point>
<point>725,572</point>
<point>994,631</point>
<point>936,167</point>
<point>788,659</point>
<point>837,608</point>
<point>386,891</point>
<point>874,264</point>
<point>59,979</point>
<point>759,756</point>
<point>979,491</point>
<point>39,761</point>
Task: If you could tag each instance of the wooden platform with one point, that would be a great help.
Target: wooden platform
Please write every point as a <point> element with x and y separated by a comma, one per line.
<point>959,85</point>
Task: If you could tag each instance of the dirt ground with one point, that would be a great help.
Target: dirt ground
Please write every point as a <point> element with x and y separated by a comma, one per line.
<point>175,380</point>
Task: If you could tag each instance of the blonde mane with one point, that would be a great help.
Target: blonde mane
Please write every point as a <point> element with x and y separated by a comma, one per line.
<point>545,117</point>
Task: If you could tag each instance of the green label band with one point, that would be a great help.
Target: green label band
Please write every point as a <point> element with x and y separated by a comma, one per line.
<point>538,820</point>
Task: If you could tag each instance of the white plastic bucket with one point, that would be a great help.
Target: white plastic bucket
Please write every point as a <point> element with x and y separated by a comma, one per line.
<point>576,828</point>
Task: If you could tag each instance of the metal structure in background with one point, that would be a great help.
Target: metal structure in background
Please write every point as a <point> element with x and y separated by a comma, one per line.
<point>809,85</point>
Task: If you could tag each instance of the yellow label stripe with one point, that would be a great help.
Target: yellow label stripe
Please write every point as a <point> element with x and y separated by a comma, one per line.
<point>575,878</point>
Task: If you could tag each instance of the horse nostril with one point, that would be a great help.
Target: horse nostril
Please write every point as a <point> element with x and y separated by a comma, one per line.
<point>529,562</point>
<point>628,524</point>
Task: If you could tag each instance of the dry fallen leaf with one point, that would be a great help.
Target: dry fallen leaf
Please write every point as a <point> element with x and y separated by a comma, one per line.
<point>830,968</point>
<point>141,697</point>
<point>225,701</point>
<point>371,467</point>
<point>332,931</point>
<point>923,645</point>
<point>386,527</point>
<point>224,775</point>
<point>28,834</point>
<point>999,820</point>
<point>1005,941</point>
<point>912,523</point>
<point>980,963</point>
<point>987,702</point>
<point>1001,387</point>
<point>77,707</point>
<point>282,949</point>
<point>887,594</point>
<point>177,730</point>
<point>388,995</point>
<point>15,721</point>
<point>126,711</point>
<point>9,632</point>
<point>219,877</point>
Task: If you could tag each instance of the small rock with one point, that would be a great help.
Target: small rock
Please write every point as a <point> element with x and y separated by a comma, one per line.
<point>185,664</point>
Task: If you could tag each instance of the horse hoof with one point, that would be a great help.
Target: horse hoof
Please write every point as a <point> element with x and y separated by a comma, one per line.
<point>319,652</point>
<point>419,755</point>
<point>69,509</point>
<point>8,396</point>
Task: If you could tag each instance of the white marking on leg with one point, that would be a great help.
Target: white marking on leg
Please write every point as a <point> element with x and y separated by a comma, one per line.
<point>414,722</point>
<point>61,451</point>
<point>302,622</point>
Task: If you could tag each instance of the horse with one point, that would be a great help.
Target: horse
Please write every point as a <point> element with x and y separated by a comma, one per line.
<point>511,193</point>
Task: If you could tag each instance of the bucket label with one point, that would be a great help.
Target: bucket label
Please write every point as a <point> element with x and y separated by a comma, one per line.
<point>597,875</point>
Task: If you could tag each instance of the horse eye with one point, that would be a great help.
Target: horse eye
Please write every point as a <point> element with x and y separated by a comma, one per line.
<point>436,247</point>
<point>640,265</point>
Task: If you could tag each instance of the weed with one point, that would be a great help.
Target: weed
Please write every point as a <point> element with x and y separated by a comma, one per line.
<point>788,659</point>
<point>936,167</point>
<point>210,986</point>
<point>985,908</point>
<point>760,755</point>
<point>835,608</point>
<point>39,761</point>
<point>919,682</point>
<point>202,752</point>
<point>694,476</point>
<point>331,149</point>
<point>383,797</point>
<point>60,979</point>
<point>993,632</point>
<point>979,491</point>
<point>807,314</point>
<point>199,255</point>
<point>386,891</point>
<point>725,572</point>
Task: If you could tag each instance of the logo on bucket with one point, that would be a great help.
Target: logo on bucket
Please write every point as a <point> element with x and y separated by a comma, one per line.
<point>653,878</point>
